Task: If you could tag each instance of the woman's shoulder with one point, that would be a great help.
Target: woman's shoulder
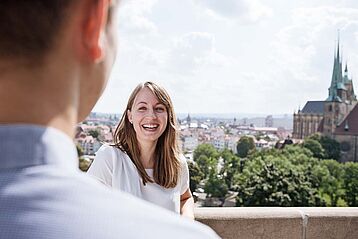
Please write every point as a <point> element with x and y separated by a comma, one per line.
<point>182,158</point>
<point>115,157</point>
<point>183,161</point>
<point>110,151</point>
<point>184,174</point>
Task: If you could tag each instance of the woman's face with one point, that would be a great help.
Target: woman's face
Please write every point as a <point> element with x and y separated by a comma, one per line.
<point>148,116</point>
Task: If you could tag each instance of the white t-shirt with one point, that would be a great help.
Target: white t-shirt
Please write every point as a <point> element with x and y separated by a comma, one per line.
<point>114,168</point>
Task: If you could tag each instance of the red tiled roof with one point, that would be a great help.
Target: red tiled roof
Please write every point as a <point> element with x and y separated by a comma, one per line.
<point>349,125</point>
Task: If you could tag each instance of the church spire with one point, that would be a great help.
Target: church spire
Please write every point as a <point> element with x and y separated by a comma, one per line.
<point>337,78</point>
<point>345,76</point>
<point>338,55</point>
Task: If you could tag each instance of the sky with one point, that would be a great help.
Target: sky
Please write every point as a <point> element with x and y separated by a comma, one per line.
<point>232,56</point>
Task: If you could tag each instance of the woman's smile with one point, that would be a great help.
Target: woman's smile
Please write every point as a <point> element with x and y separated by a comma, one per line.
<point>150,127</point>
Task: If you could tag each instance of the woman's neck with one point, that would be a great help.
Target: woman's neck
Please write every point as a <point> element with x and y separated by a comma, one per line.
<point>147,154</point>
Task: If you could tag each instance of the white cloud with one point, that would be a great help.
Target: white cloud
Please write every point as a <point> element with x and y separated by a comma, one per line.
<point>304,50</point>
<point>133,17</point>
<point>193,51</point>
<point>186,54</point>
<point>244,11</point>
<point>210,66</point>
<point>141,54</point>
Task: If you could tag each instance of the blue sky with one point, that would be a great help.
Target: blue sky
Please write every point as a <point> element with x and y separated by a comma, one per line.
<point>232,56</point>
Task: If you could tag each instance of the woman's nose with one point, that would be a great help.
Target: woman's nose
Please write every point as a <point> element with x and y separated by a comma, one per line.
<point>152,113</point>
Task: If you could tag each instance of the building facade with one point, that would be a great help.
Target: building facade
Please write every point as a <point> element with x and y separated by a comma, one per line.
<point>307,120</point>
<point>331,116</point>
<point>346,134</point>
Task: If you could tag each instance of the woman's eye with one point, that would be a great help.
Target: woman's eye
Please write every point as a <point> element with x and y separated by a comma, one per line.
<point>142,108</point>
<point>160,109</point>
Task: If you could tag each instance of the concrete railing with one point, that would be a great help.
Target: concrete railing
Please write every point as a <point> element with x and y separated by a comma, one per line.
<point>277,222</point>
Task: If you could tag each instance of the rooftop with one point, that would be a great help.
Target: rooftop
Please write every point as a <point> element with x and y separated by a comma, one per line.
<point>316,107</point>
<point>349,125</point>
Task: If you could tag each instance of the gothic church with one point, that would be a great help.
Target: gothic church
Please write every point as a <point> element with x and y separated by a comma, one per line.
<point>335,117</point>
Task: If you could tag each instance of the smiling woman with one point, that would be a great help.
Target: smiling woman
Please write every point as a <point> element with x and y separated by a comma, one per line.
<point>145,159</point>
<point>148,116</point>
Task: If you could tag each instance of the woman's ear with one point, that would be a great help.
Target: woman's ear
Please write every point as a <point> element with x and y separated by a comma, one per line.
<point>129,115</point>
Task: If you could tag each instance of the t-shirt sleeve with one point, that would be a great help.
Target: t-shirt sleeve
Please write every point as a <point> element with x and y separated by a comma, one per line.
<point>184,175</point>
<point>102,165</point>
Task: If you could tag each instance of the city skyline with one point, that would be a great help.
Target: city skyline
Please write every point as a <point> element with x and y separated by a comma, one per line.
<point>249,57</point>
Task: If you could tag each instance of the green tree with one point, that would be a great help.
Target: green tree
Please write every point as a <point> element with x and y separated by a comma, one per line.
<point>244,146</point>
<point>205,149</point>
<point>206,164</point>
<point>206,157</point>
<point>215,185</point>
<point>80,150</point>
<point>315,147</point>
<point>231,167</point>
<point>331,148</point>
<point>332,182</point>
<point>278,178</point>
<point>84,164</point>
<point>350,180</point>
<point>94,133</point>
<point>196,175</point>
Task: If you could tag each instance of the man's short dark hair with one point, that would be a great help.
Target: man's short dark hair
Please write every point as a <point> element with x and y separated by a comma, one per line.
<point>28,28</point>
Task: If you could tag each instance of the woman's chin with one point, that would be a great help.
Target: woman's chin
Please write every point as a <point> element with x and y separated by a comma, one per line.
<point>149,138</point>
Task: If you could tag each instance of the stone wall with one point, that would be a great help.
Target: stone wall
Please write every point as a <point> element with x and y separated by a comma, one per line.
<point>276,222</point>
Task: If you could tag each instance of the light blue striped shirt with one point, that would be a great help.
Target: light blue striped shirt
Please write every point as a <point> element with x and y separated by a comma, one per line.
<point>44,195</point>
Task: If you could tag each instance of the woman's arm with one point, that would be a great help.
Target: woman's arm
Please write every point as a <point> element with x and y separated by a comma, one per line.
<point>187,204</point>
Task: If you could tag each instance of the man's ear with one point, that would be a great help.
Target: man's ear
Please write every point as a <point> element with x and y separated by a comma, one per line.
<point>93,29</point>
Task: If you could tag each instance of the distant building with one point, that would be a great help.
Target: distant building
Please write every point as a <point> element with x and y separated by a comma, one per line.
<point>307,120</point>
<point>347,134</point>
<point>190,143</point>
<point>269,121</point>
<point>244,121</point>
<point>333,117</point>
<point>261,144</point>
<point>218,143</point>
<point>341,99</point>
<point>188,119</point>
<point>225,142</point>
<point>89,144</point>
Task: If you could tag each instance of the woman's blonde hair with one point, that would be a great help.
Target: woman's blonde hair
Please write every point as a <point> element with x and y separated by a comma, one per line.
<point>167,165</point>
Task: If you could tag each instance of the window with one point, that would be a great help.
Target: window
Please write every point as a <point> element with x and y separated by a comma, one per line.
<point>345,146</point>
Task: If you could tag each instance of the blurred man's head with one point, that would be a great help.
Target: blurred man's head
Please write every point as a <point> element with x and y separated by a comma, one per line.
<point>28,28</point>
<point>73,37</point>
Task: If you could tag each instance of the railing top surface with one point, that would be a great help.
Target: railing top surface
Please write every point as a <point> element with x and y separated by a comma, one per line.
<point>274,212</point>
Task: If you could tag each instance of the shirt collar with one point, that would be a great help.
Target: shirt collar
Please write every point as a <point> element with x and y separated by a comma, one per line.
<point>30,145</point>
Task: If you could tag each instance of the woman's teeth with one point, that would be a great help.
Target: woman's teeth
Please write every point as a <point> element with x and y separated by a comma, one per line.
<point>150,126</point>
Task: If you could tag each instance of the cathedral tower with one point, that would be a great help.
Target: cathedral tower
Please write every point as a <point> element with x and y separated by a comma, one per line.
<point>341,98</point>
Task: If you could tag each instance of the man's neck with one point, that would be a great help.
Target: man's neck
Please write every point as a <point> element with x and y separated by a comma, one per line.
<point>30,96</point>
